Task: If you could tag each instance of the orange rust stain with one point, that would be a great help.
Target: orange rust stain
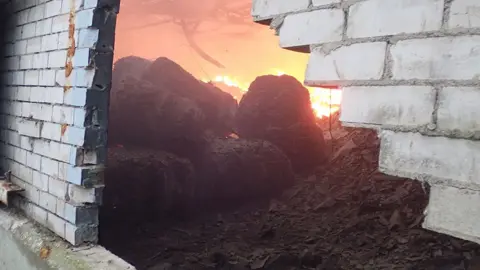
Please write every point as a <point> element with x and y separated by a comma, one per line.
<point>66,88</point>
<point>64,129</point>
<point>45,252</point>
<point>71,44</point>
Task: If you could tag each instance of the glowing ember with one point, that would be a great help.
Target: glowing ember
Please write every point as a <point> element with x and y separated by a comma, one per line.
<point>324,101</point>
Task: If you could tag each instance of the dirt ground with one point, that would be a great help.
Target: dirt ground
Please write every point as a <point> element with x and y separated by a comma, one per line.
<point>346,216</point>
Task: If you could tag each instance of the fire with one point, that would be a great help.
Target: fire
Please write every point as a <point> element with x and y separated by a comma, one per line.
<point>324,101</point>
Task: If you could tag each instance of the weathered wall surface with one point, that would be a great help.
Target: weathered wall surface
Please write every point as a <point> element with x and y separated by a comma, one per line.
<point>56,77</point>
<point>411,69</point>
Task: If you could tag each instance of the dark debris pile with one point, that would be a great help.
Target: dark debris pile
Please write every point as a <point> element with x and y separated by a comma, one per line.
<point>345,216</point>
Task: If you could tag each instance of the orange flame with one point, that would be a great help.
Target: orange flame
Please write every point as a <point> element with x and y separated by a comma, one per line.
<point>324,101</point>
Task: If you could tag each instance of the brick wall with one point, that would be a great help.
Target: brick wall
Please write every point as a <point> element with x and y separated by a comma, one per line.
<point>410,68</point>
<point>56,77</point>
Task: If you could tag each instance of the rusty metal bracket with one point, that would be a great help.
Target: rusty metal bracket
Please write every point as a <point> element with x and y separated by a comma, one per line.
<point>7,187</point>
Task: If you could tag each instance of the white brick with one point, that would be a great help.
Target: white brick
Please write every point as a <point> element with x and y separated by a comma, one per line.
<point>43,27</point>
<point>53,8</point>
<point>453,58</point>
<point>80,195</point>
<point>406,106</point>
<point>76,97</point>
<point>56,224</point>
<point>74,135</point>
<point>81,58</point>
<point>32,77</point>
<point>57,59</point>
<point>364,61</point>
<point>464,14</point>
<point>34,45</point>
<point>39,215</point>
<point>77,5</point>
<point>47,95</point>
<point>433,159</point>
<point>57,188</point>
<point>84,18</point>
<point>40,60</point>
<point>90,3</point>
<point>13,63</point>
<point>26,61</point>
<point>18,78</point>
<point>30,128</point>
<point>82,234</point>
<point>63,115</point>
<point>451,211</point>
<point>49,167</point>
<point>28,30</point>
<point>36,13</point>
<point>458,109</point>
<point>387,17</point>
<point>55,150</point>
<point>31,193</point>
<point>48,201</point>
<point>270,8</point>
<point>33,161</point>
<point>87,38</point>
<point>79,117</point>
<point>41,111</point>
<point>63,41</point>
<point>60,23</point>
<point>26,142</point>
<point>50,42</point>
<point>40,181</point>
<point>46,77</point>
<point>20,155</point>
<point>315,27</point>
<point>51,131</point>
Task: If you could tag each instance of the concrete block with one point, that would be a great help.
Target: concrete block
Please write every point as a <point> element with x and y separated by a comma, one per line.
<point>453,211</point>
<point>43,27</point>
<point>60,23</point>
<point>431,159</point>
<point>30,128</point>
<point>49,42</point>
<point>26,61</point>
<point>77,235</point>
<point>46,77</point>
<point>20,47</point>
<point>39,111</point>
<point>57,59</point>
<point>49,166</point>
<point>28,30</point>
<point>387,17</point>
<point>48,95</point>
<point>40,60</point>
<point>76,97</point>
<point>80,195</point>
<point>464,14</point>
<point>34,45</point>
<point>63,114</point>
<point>48,202</point>
<point>458,110</point>
<point>262,9</point>
<point>364,61</point>
<point>74,135</point>
<point>53,8</point>
<point>57,188</point>
<point>33,160</point>
<point>454,58</point>
<point>36,13</point>
<point>81,215</point>
<point>31,77</point>
<point>87,38</point>
<point>51,131</point>
<point>404,106</point>
<point>40,181</point>
<point>84,18</point>
<point>314,27</point>
<point>56,224</point>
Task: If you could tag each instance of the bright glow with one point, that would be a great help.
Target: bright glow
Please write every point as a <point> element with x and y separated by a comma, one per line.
<point>324,101</point>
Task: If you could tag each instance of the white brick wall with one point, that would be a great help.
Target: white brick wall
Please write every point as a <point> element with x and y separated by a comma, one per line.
<point>45,107</point>
<point>409,68</point>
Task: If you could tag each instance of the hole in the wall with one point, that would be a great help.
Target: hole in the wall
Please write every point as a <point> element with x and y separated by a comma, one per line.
<point>196,181</point>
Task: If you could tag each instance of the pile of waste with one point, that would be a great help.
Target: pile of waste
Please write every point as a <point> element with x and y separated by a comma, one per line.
<point>188,146</point>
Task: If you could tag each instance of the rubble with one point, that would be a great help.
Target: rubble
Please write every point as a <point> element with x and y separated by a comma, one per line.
<point>242,170</point>
<point>278,109</point>
<point>344,216</point>
<point>170,110</point>
<point>126,68</point>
